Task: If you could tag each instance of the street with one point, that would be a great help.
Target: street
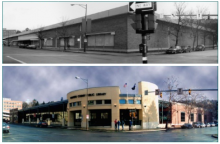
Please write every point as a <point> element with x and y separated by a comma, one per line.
<point>30,56</point>
<point>20,133</point>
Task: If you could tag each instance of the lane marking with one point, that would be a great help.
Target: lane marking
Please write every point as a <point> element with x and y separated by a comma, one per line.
<point>16,60</point>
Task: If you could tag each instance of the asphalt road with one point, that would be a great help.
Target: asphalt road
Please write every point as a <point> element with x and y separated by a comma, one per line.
<point>20,133</point>
<point>12,55</point>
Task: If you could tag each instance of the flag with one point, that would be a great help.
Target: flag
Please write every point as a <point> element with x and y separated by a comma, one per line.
<point>125,85</point>
<point>133,88</point>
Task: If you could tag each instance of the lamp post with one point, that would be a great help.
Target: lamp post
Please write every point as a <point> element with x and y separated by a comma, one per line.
<point>85,7</point>
<point>86,81</point>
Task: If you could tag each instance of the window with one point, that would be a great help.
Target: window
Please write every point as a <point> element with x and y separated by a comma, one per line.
<point>62,42</point>
<point>182,117</point>
<point>79,103</point>
<point>108,101</point>
<point>131,101</point>
<point>138,101</point>
<point>192,117</point>
<point>74,104</point>
<point>90,102</point>
<point>104,115</point>
<point>71,105</point>
<point>72,97</point>
<point>122,101</point>
<point>92,94</point>
<point>93,115</point>
<point>205,118</point>
<point>100,94</point>
<point>200,117</point>
<point>98,101</point>
<point>81,95</point>
<point>101,40</point>
<point>48,42</point>
<point>71,41</point>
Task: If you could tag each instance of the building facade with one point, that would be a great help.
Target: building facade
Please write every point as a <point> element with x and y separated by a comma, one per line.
<point>111,30</point>
<point>101,106</point>
<point>9,104</point>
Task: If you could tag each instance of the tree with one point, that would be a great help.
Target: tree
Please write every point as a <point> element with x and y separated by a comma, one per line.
<point>27,29</point>
<point>24,105</point>
<point>40,35</point>
<point>171,84</point>
<point>18,31</point>
<point>43,103</point>
<point>176,29</point>
<point>33,103</point>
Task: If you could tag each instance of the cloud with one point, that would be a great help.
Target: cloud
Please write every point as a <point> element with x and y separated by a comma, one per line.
<point>52,83</point>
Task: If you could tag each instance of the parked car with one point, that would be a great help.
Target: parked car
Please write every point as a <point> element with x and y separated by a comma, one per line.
<point>42,124</point>
<point>207,125</point>
<point>200,48</point>
<point>212,124</point>
<point>202,125</point>
<point>196,124</point>
<point>216,123</point>
<point>187,125</point>
<point>23,45</point>
<point>186,49</point>
<point>5,127</point>
<point>175,50</point>
<point>32,46</point>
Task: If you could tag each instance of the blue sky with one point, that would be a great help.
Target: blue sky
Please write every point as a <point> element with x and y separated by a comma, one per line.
<point>21,15</point>
<point>50,83</point>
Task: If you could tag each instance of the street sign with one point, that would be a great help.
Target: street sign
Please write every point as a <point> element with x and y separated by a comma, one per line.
<point>131,7</point>
<point>157,91</point>
<point>180,91</point>
<point>145,5</point>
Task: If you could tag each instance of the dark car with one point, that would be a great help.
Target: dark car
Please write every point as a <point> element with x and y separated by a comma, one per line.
<point>42,124</point>
<point>200,48</point>
<point>5,127</point>
<point>23,45</point>
<point>186,49</point>
<point>196,124</point>
<point>187,125</point>
<point>175,50</point>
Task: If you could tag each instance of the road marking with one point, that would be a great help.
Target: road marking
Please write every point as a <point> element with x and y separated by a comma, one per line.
<point>16,60</point>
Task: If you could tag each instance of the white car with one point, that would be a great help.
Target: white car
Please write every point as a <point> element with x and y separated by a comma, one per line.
<point>207,125</point>
<point>5,127</point>
<point>212,124</point>
<point>202,125</point>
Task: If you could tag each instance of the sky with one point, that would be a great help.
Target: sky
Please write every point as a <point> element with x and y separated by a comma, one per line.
<point>21,15</point>
<point>50,83</point>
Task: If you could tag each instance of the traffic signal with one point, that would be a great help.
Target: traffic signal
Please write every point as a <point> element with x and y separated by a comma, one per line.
<point>189,91</point>
<point>137,25</point>
<point>150,22</point>
<point>161,95</point>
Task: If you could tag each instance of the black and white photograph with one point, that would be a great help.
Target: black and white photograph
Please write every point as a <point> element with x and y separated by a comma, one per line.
<point>110,32</point>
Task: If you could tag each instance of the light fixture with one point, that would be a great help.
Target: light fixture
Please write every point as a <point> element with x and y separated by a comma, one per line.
<point>145,106</point>
<point>115,105</point>
<point>84,106</point>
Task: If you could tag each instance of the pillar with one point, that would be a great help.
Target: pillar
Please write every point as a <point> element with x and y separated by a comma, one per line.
<point>38,120</point>
<point>29,119</point>
<point>23,120</point>
<point>63,122</point>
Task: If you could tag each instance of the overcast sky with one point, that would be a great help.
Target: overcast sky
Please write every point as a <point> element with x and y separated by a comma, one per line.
<point>21,15</point>
<point>51,83</point>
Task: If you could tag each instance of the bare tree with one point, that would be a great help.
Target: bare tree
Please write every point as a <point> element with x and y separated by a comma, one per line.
<point>40,35</point>
<point>171,84</point>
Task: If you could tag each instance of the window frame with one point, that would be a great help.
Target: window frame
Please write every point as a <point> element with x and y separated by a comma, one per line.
<point>182,117</point>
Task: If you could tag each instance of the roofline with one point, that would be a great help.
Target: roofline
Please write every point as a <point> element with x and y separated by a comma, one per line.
<point>93,88</point>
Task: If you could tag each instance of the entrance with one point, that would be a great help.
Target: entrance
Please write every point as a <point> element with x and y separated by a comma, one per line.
<point>77,118</point>
<point>100,118</point>
<point>127,115</point>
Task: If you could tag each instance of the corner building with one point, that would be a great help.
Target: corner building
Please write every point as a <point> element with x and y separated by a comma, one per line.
<point>105,104</point>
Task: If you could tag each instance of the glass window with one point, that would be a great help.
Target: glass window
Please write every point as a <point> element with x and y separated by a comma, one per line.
<point>98,101</point>
<point>75,104</point>
<point>62,42</point>
<point>108,101</point>
<point>81,95</point>
<point>71,41</point>
<point>71,105</point>
<point>79,103</point>
<point>138,101</point>
<point>100,94</point>
<point>101,40</point>
<point>131,101</point>
<point>122,101</point>
<point>93,115</point>
<point>192,117</point>
<point>48,42</point>
<point>72,97</point>
<point>90,102</point>
<point>200,117</point>
<point>104,115</point>
<point>91,94</point>
<point>182,117</point>
<point>78,115</point>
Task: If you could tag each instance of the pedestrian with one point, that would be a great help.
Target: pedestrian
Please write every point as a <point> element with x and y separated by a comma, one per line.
<point>115,124</point>
<point>118,124</point>
<point>130,123</point>
<point>122,124</point>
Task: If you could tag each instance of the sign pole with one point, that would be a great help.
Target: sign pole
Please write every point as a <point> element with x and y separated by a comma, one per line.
<point>144,41</point>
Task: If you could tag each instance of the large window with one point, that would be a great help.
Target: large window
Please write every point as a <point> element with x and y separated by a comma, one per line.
<point>200,117</point>
<point>131,101</point>
<point>90,102</point>
<point>71,42</point>
<point>101,40</point>
<point>98,101</point>
<point>48,42</point>
<point>62,42</point>
<point>104,115</point>
<point>182,117</point>
<point>122,101</point>
<point>192,117</point>
<point>108,101</point>
<point>138,101</point>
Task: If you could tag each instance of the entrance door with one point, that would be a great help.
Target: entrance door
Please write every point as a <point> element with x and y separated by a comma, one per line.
<point>100,118</point>
<point>77,118</point>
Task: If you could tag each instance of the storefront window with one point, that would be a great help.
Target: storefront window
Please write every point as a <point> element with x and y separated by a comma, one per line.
<point>122,101</point>
<point>104,115</point>
<point>93,115</point>
<point>131,101</point>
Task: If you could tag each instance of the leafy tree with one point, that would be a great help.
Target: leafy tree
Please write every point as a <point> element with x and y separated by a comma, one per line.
<point>18,31</point>
<point>24,105</point>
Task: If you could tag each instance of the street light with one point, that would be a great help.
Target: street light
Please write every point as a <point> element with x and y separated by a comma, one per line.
<point>86,81</point>
<point>85,7</point>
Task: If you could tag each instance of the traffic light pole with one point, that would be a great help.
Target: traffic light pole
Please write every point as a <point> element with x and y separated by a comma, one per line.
<point>144,41</point>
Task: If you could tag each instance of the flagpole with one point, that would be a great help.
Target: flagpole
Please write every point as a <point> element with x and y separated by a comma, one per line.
<point>127,94</point>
